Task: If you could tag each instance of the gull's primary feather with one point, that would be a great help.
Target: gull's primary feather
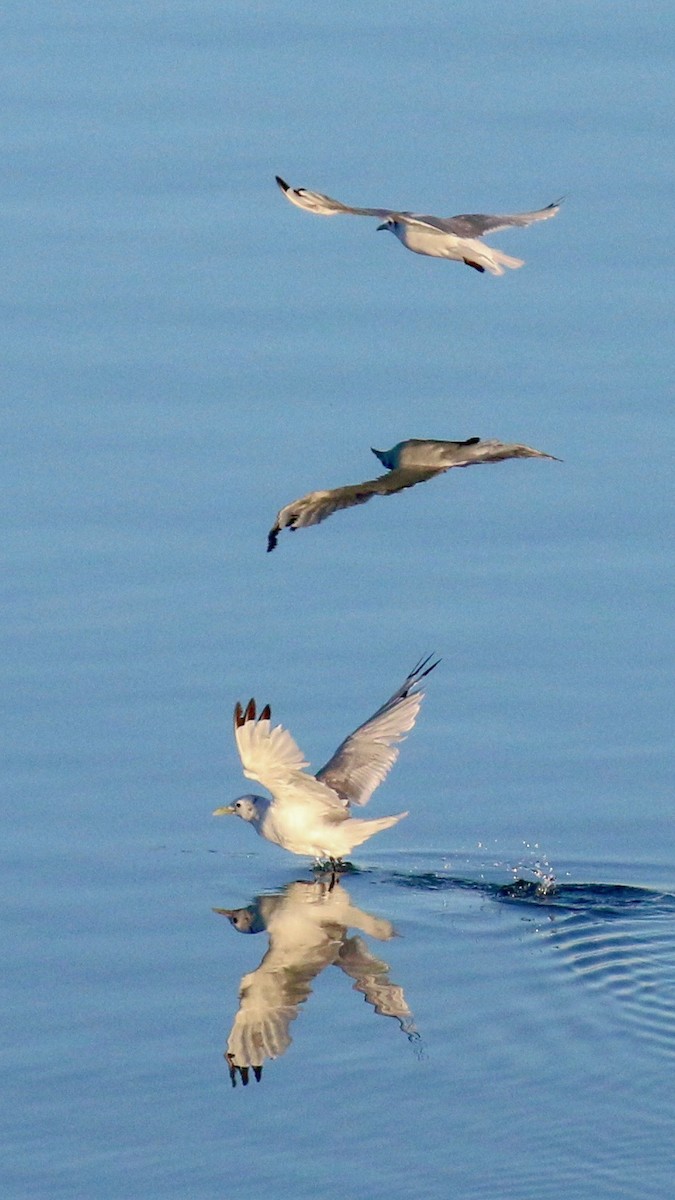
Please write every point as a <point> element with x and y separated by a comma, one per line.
<point>410,462</point>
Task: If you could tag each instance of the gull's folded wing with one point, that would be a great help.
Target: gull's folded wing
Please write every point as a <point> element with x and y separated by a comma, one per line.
<point>471,225</point>
<point>365,758</point>
<point>271,756</point>
<point>316,506</point>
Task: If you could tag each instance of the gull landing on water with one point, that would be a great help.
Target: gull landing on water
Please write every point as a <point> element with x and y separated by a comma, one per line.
<point>439,237</point>
<point>407,463</point>
<point>309,814</point>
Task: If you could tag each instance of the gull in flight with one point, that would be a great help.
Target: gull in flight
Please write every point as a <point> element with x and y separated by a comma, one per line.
<point>440,237</point>
<point>309,814</point>
<point>407,463</point>
<point>307,927</point>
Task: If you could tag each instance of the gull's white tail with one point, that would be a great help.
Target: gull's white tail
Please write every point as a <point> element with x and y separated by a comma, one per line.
<point>358,831</point>
<point>487,258</point>
<point>501,260</point>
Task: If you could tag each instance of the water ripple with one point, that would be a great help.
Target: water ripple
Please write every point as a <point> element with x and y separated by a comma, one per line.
<point>619,940</point>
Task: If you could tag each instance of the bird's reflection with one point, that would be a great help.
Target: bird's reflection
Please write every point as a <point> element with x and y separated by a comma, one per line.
<point>308,926</point>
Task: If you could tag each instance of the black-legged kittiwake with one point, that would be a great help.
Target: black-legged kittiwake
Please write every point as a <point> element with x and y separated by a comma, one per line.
<point>439,237</point>
<point>310,814</point>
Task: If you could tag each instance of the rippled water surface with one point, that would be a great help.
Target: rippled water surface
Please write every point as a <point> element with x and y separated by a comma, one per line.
<point>485,1005</point>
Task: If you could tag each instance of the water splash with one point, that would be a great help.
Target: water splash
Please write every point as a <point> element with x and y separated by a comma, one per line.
<point>534,869</point>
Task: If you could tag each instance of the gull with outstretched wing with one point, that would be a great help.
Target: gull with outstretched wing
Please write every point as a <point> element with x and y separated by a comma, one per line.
<point>310,814</point>
<point>439,237</point>
<point>407,463</point>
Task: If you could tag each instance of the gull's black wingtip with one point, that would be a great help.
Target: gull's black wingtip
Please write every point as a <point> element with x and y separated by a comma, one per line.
<point>285,187</point>
<point>423,668</point>
<point>272,538</point>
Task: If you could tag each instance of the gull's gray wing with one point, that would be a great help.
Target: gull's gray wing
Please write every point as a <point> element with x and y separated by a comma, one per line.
<point>418,453</point>
<point>316,506</point>
<point>268,1002</point>
<point>492,450</point>
<point>371,978</point>
<point>471,225</point>
<point>325,206</point>
<point>270,755</point>
<point>365,758</point>
<point>464,225</point>
<point>267,754</point>
<point>269,999</point>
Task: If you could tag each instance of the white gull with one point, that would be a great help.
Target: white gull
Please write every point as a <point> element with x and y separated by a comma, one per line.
<point>310,814</point>
<point>440,237</point>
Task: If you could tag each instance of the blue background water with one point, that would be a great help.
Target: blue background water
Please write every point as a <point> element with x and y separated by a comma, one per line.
<point>184,353</point>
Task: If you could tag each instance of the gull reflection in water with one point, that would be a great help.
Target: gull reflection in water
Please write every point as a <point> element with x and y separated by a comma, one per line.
<point>308,927</point>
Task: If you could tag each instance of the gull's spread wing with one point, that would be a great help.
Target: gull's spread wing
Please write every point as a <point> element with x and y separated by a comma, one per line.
<point>464,225</point>
<point>492,450</point>
<point>325,206</point>
<point>316,506</point>
<point>371,978</point>
<point>471,225</point>
<point>416,453</point>
<point>266,754</point>
<point>271,756</point>
<point>365,758</point>
<point>269,1000</point>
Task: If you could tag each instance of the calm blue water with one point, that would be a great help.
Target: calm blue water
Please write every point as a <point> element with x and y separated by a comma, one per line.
<point>183,353</point>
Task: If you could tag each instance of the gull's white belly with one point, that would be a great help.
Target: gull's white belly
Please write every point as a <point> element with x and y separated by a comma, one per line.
<point>297,830</point>
<point>423,239</point>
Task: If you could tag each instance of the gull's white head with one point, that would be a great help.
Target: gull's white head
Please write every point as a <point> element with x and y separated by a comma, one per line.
<point>249,808</point>
<point>392,225</point>
<point>244,920</point>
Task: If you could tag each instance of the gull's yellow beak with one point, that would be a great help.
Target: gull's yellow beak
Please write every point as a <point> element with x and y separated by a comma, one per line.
<point>227,811</point>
